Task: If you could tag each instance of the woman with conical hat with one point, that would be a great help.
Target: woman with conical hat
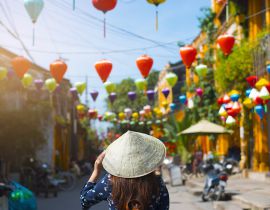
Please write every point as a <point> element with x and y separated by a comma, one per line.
<point>130,182</point>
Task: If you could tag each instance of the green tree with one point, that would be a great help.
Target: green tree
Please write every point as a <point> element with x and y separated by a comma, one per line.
<point>22,127</point>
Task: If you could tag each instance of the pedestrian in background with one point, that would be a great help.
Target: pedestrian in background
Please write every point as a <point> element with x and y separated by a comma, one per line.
<point>131,182</point>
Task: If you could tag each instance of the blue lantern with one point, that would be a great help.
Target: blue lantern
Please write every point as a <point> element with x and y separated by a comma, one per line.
<point>173,107</point>
<point>268,68</point>
<point>248,92</point>
<point>259,109</point>
<point>182,99</point>
<point>235,97</point>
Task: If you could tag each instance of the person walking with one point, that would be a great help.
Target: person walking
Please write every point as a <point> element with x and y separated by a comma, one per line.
<point>131,182</point>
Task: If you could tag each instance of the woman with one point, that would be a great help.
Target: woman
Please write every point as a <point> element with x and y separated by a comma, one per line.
<point>131,182</point>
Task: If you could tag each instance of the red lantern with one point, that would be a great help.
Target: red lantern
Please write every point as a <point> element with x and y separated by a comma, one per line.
<point>236,107</point>
<point>104,6</point>
<point>100,117</point>
<point>226,43</point>
<point>188,55</point>
<point>92,114</point>
<point>58,69</point>
<point>226,99</point>
<point>229,106</point>
<point>104,69</point>
<point>20,65</point>
<point>220,101</point>
<point>252,80</point>
<point>268,87</point>
<point>144,64</point>
<point>232,113</point>
<point>258,101</point>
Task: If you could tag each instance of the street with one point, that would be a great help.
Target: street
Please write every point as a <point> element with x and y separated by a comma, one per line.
<point>179,196</point>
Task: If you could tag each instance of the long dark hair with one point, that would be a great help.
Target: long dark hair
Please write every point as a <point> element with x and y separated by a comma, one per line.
<point>136,193</point>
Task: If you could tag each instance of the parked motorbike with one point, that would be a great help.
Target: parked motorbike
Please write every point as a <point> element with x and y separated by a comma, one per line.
<point>216,182</point>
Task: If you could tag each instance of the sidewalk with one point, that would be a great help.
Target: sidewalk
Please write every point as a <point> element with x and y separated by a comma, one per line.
<point>249,193</point>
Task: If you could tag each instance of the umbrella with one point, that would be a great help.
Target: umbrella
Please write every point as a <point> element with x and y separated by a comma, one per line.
<point>205,127</point>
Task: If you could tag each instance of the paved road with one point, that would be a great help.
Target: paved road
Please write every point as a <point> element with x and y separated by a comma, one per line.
<point>180,199</point>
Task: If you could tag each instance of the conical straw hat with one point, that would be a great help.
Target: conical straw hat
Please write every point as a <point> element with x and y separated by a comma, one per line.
<point>134,155</point>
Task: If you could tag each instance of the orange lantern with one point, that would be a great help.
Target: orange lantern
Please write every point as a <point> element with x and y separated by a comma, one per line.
<point>104,6</point>
<point>144,64</point>
<point>104,69</point>
<point>226,43</point>
<point>188,55</point>
<point>20,65</point>
<point>58,69</point>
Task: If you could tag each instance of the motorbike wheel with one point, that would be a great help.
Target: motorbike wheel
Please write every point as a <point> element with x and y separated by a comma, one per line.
<point>217,193</point>
<point>204,197</point>
<point>68,181</point>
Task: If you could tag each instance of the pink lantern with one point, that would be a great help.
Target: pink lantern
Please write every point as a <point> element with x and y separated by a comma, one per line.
<point>199,92</point>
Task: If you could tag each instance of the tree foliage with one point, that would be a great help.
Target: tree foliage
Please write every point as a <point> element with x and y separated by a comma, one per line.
<point>22,126</point>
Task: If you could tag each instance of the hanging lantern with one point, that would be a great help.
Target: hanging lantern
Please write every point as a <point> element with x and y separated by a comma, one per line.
<point>252,80</point>
<point>230,121</point>
<point>132,96</point>
<point>201,70</point>
<point>264,94</point>
<point>253,94</point>
<point>3,73</point>
<point>258,101</point>
<point>220,101</point>
<point>156,3</point>
<point>110,87</point>
<point>94,95</point>
<point>222,112</point>
<point>188,55</point>
<point>27,80</point>
<point>248,92</point>
<point>268,68</point>
<point>172,79</point>
<point>92,114</point>
<point>236,107</point>
<point>100,117</point>
<point>80,86</point>
<point>248,103</point>
<point>147,109</point>
<point>182,99</point>
<point>173,107</point>
<point>226,43</point>
<point>199,92</point>
<point>150,95</point>
<point>190,104</point>
<point>50,84</point>
<point>20,65</point>
<point>135,116</point>
<point>226,99</point>
<point>112,97</point>
<point>34,8</point>
<point>58,69</point>
<point>166,92</point>
<point>104,69</point>
<point>259,111</point>
<point>145,64</point>
<point>235,97</point>
<point>39,84</point>
<point>228,106</point>
<point>128,112</point>
<point>141,84</point>
<point>104,6</point>
<point>261,83</point>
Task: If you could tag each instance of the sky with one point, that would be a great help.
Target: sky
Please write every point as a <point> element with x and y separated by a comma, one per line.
<point>77,36</point>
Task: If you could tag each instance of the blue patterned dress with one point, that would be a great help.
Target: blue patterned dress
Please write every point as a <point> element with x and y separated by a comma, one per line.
<point>93,193</point>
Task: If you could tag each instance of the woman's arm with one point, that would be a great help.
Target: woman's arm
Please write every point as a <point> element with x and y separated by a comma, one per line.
<point>93,192</point>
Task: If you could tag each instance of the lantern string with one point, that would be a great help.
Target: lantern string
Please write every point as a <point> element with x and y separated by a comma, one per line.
<point>74,5</point>
<point>157,20</point>
<point>104,27</point>
<point>227,11</point>
<point>34,34</point>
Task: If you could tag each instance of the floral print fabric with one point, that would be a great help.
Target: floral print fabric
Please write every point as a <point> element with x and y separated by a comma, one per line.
<point>93,193</point>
